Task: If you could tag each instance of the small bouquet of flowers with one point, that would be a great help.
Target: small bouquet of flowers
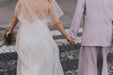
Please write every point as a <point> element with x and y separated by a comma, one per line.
<point>6,40</point>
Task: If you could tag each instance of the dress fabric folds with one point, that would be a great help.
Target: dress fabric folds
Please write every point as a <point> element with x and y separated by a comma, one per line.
<point>38,54</point>
<point>37,51</point>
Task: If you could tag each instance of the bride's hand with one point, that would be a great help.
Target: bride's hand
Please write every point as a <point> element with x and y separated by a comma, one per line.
<point>69,39</point>
<point>8,35</point>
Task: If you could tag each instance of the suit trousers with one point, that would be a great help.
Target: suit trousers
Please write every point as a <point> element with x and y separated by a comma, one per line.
<point>93,60</point>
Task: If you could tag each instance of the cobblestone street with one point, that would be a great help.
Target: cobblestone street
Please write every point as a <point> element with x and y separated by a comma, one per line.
<point>69,54</point>
<point>69,60</point>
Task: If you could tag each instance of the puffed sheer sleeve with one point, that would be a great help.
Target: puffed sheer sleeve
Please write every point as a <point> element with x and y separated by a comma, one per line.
<point>18,8</point>
<point>77,19</point>
<point>55,12</point>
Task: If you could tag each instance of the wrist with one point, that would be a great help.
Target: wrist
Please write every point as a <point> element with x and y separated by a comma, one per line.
<point>10,31</point>
<point>66,36</point>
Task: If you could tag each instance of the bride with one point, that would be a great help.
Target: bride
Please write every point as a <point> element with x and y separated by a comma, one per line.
<point>37,52</point>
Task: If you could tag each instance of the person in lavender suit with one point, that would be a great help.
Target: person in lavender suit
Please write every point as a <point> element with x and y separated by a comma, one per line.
<point>97,35</point>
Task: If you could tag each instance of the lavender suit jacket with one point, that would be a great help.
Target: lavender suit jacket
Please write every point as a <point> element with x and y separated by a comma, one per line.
<point>98,17</point>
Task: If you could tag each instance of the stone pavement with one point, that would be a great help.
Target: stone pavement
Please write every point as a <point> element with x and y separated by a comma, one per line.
<point>69,54</point>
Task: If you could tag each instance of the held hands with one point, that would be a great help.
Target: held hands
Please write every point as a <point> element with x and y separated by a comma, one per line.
<point>69,39</point>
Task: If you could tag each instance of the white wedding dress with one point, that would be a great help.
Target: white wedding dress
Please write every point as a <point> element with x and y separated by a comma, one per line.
<point>37,52</point>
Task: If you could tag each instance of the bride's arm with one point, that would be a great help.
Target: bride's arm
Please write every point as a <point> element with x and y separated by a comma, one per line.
<point>57,22</point>
<point>14,23</point>
<point>15,19</point>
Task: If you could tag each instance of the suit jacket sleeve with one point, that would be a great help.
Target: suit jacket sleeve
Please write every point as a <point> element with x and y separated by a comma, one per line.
<point>77,19</point>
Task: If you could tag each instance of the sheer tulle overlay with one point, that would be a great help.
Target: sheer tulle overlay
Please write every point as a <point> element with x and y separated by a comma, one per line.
<point>37,52</point>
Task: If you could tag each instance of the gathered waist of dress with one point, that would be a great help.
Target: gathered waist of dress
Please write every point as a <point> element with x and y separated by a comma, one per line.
<point>25,22</point>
